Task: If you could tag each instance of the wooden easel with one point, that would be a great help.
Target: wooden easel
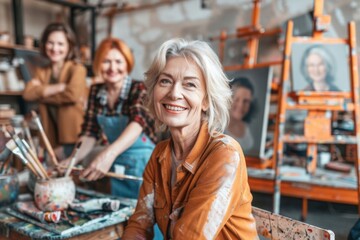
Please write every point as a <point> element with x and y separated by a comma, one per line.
<point>252,34</point>
<point>316,112</point>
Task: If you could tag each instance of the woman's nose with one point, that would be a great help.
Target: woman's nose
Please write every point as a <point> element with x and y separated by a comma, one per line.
<point>113,66</point>
<point>176,92</point>
<point>55,47</point>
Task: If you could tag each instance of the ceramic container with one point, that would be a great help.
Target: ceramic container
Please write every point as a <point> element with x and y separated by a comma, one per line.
<point>9,188</point>
<point>54,194</point>
<point>33,179</point>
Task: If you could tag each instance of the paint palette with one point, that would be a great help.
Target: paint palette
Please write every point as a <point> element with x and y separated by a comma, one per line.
<point>9,188</point>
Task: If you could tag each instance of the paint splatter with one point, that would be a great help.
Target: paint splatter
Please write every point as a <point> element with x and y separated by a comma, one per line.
<point>147,203</point>
<point>222,199</point>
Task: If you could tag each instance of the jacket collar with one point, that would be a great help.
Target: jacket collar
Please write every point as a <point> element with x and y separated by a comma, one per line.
<point>123,95</point>
<point>192,160</point>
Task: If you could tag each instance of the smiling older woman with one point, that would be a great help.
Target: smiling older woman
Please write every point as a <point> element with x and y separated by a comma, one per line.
<point>195,184</point>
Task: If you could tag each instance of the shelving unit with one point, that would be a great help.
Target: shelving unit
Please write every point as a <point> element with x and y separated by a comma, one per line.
<point>11,51</point>
<point>75,7</point>
<point>10,93</point>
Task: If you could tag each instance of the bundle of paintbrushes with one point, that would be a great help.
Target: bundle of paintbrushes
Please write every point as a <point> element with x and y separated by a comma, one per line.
<point>5,154</point>
<point>23,151</point>
<point>27,153</point>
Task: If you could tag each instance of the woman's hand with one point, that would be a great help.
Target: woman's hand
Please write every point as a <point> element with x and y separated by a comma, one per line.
<point>35,82</point>
<point>63,165</point>
<point>100,165</point>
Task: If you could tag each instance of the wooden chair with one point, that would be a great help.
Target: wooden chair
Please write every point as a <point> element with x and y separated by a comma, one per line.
<point>273,226</point>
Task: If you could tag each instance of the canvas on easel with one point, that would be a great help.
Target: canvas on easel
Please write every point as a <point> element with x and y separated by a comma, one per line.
<point>320,67</point>
<point>338,95</point>
<point>256,155</point>
<point>250,109</point>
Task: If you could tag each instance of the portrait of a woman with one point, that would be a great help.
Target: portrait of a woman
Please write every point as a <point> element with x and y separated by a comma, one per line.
<point>317,67</point>
<point>241,112</point>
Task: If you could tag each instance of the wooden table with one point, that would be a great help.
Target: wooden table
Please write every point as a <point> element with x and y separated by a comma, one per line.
<point>108,233</point>
<point>12,227</point>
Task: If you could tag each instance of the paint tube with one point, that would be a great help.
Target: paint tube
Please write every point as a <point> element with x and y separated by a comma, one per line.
<point>29,209</point>
<point>105,204</point>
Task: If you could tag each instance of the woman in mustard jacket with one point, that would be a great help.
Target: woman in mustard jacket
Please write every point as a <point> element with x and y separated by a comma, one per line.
<point>195,184</point>
<point>59,88</point>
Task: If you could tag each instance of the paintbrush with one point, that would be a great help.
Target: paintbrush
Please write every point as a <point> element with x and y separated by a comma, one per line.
<point>109,174</point>
<point>73,159</point>
<point>44,137</point>
<point>123,176</point>
<point>6,164</point>
<point>28,135</point>
<point>24,151</point>
<point>37,161</point>
<point>11,145</point>
<point>4,154</point>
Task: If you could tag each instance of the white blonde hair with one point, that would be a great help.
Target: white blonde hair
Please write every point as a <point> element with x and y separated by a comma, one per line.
<point>218,93</point>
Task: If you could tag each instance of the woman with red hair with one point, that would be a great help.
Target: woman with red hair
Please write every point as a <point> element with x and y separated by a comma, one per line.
<point>115,109</point>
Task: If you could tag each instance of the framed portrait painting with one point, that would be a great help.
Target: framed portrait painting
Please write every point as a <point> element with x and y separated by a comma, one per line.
<point>250,109</point>
<point>320,67</point>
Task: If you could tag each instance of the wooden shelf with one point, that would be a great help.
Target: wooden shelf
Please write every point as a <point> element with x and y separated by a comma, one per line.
<point>72,4</point>
<point>258,163</point>
<point>343,107</point>
<point>14,46</point>
<point>338,139</point>
<point>11,93</point>
<point>306,191</point>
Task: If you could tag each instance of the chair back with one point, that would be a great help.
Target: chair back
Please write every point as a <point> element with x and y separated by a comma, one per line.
<point>274,226</point>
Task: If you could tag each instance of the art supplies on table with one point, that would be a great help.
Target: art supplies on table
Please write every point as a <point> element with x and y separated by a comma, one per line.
<point>71,222</point>
<point>31,210</point>
<point>105,204</point>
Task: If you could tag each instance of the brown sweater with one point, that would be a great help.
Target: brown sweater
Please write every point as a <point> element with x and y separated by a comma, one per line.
<point>69,103</point>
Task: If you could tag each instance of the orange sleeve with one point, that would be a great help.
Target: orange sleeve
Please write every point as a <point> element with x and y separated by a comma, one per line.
<point>221,193</point>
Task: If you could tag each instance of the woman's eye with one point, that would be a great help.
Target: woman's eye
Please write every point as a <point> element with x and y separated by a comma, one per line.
<point>191,85</point>
<point>164,81</point>
<point>118,61</point>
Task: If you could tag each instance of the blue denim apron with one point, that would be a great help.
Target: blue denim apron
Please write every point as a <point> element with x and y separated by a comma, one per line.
<point>133,160</point>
